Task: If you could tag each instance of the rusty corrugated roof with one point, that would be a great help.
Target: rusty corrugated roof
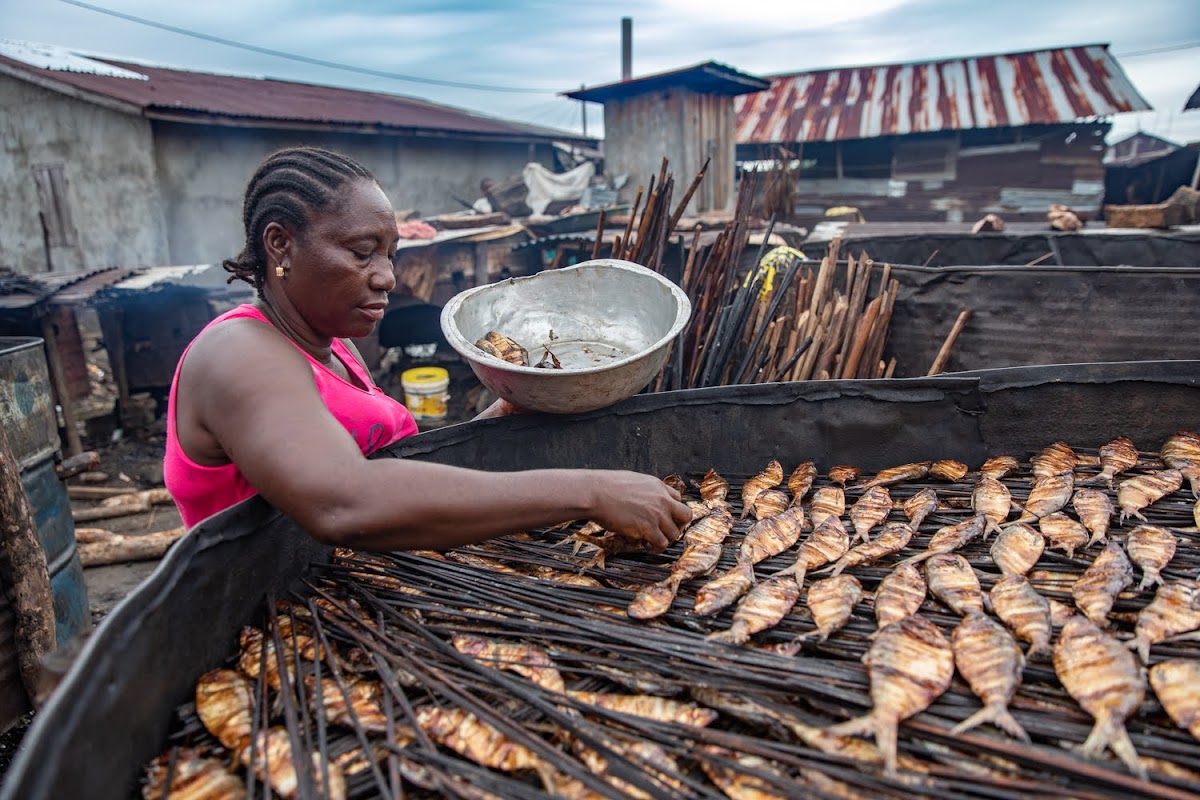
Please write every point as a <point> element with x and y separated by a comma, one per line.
<point>224,99</point>
<point>1010,90</point>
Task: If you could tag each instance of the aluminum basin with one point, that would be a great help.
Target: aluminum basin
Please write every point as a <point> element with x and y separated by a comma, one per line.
<point>608,322</point>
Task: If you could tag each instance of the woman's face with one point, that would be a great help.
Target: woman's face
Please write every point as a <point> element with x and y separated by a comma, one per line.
<point>340,268</point>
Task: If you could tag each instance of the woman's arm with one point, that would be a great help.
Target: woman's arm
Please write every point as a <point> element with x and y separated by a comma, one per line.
<point>254,394</point>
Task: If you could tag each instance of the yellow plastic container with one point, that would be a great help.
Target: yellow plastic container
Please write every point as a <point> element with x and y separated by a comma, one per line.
<point>425,392</point>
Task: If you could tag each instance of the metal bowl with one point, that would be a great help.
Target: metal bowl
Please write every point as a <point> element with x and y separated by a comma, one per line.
<point>609,324</point>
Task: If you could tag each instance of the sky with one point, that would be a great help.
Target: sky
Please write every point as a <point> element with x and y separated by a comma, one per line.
<point>513,58</point>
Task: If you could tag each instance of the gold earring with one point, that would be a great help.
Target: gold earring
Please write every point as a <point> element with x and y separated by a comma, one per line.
<point>280,271</point>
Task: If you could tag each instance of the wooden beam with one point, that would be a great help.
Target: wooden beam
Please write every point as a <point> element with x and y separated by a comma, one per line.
<point>62,392</point>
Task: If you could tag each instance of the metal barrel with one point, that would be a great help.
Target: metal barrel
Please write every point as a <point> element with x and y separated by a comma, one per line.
<point>28,415</point>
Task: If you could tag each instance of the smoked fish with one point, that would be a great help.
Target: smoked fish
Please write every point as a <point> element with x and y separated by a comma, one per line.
<point>1017,549</point>
<point>275,764</point>
<point>1063,533</point>
<point>766,538</point>
<point>1137,492</point>
<point>769,503</point>
<point>953,581</point>
<point>870,510</point>
<point>1181,451</point>
<point>1115,457</point>
<point>801,480</point>
<point>828,542</point>
<point>828,501</point>
<point>842,474</point>
<point>1175,609</point>
<point>1048,495</point>
<point>909,665</point>
<point>1097,588</point>
<point>899,595</point>
<point>1094,510</point>
<point>193,775</point>
<point>948,470</point>
<point>893,539</point>
<point>1107,682</point>
<point>225,703</point>
<point>1176,683</point>
<point>992,664</point>
<point>991,498</point>
<point>831,602</point>
<point>905,472</point>
<point>703,542</point>
<point>949,538</point>
<point>1150,548</point>
<point>920,506</point>
<point>1024,610</point>
<point>763,607</point>
<point>1057,459</point>
<point>769,478</point>
<point>531,663</point>
<point>999,467</point>
<point>713,488</point>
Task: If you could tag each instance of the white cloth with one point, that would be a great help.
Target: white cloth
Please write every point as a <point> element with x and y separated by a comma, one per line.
<point>546,186</point>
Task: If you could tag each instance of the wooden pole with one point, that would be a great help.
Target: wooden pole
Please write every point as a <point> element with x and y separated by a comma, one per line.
<point>62,391</point>
<point>98,547</point>
<point>32,598</point>
<point>944,354</point>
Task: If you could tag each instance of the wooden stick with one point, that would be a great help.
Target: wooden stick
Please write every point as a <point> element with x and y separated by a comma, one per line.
<point>118,548</point>
<point>1040,259</point>
<point>102,512</point>
<point>96,492</point>
<point>153,497</point>
<point>861,334</point>
<point>599,234</point>
<point>944,354</point>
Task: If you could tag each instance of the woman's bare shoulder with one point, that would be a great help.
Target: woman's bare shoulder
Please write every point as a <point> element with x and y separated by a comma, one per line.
<point>237,351</point>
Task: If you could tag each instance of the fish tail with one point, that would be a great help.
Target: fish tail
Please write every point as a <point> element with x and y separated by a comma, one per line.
<point>1121,745</point>
<point>998,715</point>
<point>854,727</point>
<point>1141,645</point>
<point>919,557</point>
<point>1097,538</point>
<point>1038,647</point>
<point>1149,578</point>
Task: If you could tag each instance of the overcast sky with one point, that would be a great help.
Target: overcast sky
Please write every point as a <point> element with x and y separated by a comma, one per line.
<point>544,48</point>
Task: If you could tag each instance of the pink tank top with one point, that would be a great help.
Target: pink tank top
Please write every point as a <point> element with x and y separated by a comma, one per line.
<point>371,417</point>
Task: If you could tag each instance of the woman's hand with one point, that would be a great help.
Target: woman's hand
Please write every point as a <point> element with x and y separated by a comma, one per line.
<point>639,506</point>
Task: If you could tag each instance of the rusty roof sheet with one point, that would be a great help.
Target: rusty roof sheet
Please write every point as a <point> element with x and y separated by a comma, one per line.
<point>1010,90</point>
<point>225,99</point>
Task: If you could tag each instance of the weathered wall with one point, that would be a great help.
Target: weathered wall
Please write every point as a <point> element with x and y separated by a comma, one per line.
<point>110,191</point>
<point>683,126</point>
<point>204,169</point>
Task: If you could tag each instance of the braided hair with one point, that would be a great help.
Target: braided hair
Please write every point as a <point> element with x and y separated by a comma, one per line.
<point>287,187</point>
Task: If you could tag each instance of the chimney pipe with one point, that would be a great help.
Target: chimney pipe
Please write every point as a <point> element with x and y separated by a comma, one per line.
<point>626,48</point>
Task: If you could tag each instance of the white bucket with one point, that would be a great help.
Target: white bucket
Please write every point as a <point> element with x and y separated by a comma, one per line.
<point>425,392</point>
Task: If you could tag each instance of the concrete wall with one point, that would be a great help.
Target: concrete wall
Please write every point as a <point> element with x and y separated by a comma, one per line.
<point>686,128</point>
<point>204,169</point>
<point>111,189</point>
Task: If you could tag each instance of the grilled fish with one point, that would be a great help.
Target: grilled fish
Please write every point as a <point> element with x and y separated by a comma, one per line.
<point>1176,682</point>
<point>990,661</point>
<point>474,739</point>
<point>655,765</point>
<point>713,488</point>
<point>920,506</point>
<point>1181,451</point>
<point>702,550</point>
<point>1115,457</point>
<point>1023,609</point>
<point>360,706</point>
<point>801,480</point>
<point>274,764</point>
<point>893,539</point>
<point>952,580</point>
<point>828,542</point>
<point>769,503</point>
<point>251,659</point>
<point>531,663</point>
<point>1175,609</point>
<point>828,501</point>
<point>675,481</point>
<point>1107,682</point>
<point>1048,495</point>
<point>1151,548</point>
<point>909,665</point>
<point>763,607</point>
<point>1063,533</point>
<point>225,703</point>
<point>831,602</point>
<point>951,537</point>
<point>736,774</point>
<point>1137,492</point>
<point>659,709</point>
<point>766,538</point>
<point>1097,588</point>
<point>999,467</point>
<point>991,498</point>
<point>1057,459</point>
<point>843,474</point>
<point>948,470</point>
<point>905,472</point>
<point>769,478</point>
<point>498,345</point>
<point>1095,512</point>
<point>1017,549</point>
<point>870,510</point>
<point>193,775</point>
<point>899,595</point>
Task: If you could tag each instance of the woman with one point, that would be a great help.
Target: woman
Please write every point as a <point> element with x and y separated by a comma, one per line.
<point>265,395</point>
